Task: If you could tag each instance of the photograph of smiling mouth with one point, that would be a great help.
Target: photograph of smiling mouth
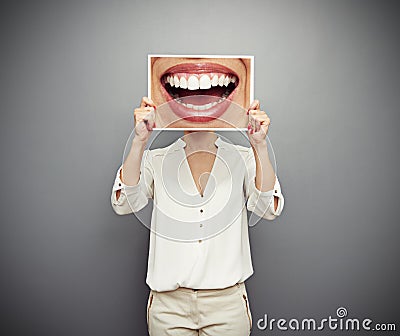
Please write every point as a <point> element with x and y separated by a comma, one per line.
<point>200,88</point>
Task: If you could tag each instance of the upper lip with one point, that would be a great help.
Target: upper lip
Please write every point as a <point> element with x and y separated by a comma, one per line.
<point>199,68</point>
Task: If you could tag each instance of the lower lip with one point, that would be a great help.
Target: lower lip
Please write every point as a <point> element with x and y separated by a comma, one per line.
<point>200,116</point>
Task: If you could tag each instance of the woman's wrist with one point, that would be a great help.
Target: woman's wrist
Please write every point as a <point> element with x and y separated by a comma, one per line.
<point>138,143</point>
<point>261,146</point>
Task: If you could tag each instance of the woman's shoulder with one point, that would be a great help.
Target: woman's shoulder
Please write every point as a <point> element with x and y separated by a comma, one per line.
<point>161,151</point>
<point>234,147</point>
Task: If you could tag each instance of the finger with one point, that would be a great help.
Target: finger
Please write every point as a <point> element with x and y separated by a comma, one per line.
<point>252,122</point>
<point>250,128</point>
<point>263,120</point>
<point>253,119</point>
<point>254,126</point>
<point>264,129</point>
<point>257,112</point>
<point>147,102</point>
<point>149,125</point>
<point>148,109</point>
<point>143,111</point>
<point>251,113</point>
<point>260,117</point>
<point>257,125</point>
<point>149,114</point>
<point>255,105</point>
<point>150,118</point>
<point>140,114</point>
<point>266,122</point>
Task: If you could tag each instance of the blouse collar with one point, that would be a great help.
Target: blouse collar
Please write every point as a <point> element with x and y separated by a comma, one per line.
<point>181,144</point>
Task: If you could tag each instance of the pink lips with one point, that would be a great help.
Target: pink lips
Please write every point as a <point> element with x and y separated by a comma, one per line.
<point>200,116</point>
<point>215,105</point>
<point>198,68</point>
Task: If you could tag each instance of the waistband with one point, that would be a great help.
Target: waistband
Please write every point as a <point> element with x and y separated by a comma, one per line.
<point>221,291</point>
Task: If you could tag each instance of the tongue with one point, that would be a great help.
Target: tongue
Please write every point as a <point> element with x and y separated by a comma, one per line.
<point>199,100</point>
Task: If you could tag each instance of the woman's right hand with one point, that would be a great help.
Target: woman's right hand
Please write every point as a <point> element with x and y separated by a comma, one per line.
<point>144,119</point>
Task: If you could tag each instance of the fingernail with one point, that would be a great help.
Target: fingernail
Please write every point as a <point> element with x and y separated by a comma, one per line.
<point>155,107</point>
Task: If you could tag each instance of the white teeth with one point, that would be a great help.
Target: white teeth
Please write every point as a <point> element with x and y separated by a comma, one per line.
<point>205,82</point>
<point>221,80</point>
<point>193,83</point>
<point>227,80</point>
<point>183,83</point>
<point>176,81</point>
<point>199,107</point>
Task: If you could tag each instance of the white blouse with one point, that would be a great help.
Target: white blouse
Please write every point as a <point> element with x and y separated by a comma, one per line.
<point>197,241</point>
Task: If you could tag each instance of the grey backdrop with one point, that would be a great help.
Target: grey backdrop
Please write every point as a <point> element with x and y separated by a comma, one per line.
<point>326,72</point>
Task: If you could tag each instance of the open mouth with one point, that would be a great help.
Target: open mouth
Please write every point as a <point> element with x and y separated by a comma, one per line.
<point>199,92</point>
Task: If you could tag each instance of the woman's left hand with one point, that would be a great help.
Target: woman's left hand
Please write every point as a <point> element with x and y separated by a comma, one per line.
<point>258,124</point>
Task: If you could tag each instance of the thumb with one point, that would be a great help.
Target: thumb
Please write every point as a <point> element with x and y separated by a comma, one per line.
<point>255,105</point>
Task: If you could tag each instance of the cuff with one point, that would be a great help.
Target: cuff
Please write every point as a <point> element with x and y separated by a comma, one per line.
<point>126,190</point>
<point>264,201</point>
<point>278,193</point>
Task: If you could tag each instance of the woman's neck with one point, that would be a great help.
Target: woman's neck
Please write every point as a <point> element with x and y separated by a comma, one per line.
<point>200,140</point>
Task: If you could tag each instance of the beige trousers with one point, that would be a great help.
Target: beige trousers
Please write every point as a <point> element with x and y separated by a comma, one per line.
<point>204,312</point>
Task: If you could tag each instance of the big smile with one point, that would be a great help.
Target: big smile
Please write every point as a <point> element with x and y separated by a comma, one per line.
<point>199,92</point>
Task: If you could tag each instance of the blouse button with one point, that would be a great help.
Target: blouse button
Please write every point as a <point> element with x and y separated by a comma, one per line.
<point>200,240</point>
<point>201,210</point>
<point>201,225</point>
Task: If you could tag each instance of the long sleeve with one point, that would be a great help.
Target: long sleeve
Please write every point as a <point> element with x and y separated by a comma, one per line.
<point>261,202</point>
<point>134,198</point>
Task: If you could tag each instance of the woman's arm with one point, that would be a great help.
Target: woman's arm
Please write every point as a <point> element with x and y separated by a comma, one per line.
<point>130,172</point>
<point>144,123</point>
<point>126,185</point>
<point>265,179</point>
<point>265,175</point>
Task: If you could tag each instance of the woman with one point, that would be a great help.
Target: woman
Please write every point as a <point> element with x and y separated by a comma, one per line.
<point>197,275</point>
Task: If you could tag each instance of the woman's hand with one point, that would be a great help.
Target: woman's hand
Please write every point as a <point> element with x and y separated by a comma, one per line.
<point>258,124</point>
<point>144,119</point>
